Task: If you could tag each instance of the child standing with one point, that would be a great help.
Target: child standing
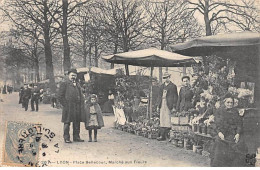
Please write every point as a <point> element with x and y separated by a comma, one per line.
<point>94,119</point>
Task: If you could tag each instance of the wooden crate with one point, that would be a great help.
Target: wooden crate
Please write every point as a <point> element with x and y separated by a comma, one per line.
<point>152,135</point>
<point>183,120</point>
<point>175,120</point>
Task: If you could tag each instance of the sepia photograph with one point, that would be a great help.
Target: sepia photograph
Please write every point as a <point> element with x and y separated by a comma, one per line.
<point>129,83</point>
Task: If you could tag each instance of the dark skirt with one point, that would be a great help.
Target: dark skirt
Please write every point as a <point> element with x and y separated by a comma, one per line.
<point>228,154</point>
<point>93,127</point>
<point>107,107</point>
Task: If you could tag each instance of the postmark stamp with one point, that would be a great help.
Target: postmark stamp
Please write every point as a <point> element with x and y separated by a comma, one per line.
<point>25,143</point>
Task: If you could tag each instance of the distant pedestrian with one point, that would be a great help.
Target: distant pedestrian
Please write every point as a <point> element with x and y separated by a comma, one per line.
<point>108,105</point>
<point>4,90</point>
<point>41,94</point>
<point>26,97</point>
<point>35,98</point>
<point>21,91</point>
<point>9,89</point>
<point>94,119</point>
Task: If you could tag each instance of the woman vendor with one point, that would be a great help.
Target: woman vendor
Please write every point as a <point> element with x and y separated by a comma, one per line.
<point>108,105</point>
<point>185,96</point>
<point>229,150</point>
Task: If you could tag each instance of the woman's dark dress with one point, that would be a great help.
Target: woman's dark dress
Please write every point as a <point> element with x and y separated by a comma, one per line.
<point>226,152</point>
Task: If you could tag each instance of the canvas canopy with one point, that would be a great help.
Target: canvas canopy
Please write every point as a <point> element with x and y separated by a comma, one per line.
<point>224,44</point>
<point>97,70</point>
<point>150,58</point>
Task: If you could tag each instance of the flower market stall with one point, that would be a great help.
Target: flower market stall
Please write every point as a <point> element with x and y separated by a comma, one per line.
<point>150,58</point>
<point>122,87</point>
<point>92,80</point>
<point>233,68</point>
<point>148,125</point>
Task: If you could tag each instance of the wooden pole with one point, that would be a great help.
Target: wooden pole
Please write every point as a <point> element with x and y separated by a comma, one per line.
<point>112,65</point>
<point>184,71</point>
<point>151,94</point>
<point>126,70</point>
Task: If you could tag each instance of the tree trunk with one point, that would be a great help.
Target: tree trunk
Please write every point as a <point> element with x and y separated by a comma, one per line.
<point>37,71</point>
<point>96,55</point>
<point>66,47</point>
<point>115,51</point>
<point>84,47</point>
<point>84,54</point>
<point>47,49</point>
<point>89,54</point>
<point>206,18</point>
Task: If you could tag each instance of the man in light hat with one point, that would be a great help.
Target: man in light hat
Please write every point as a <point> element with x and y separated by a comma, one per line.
<point>71,98</point>
<point>167,102</point>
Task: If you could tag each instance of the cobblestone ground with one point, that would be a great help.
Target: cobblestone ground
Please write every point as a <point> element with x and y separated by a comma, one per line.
<point>114,147</point>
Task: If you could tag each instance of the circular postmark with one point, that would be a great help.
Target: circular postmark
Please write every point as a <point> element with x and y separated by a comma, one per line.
<point>25,143</point>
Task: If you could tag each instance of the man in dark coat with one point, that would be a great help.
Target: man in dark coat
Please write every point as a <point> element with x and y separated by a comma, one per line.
<point>167,101</point>
<point>185,95</point>
<point>35,98</point>
<point>21,92</point>
<point>71,98</point>
<point>26,97</point>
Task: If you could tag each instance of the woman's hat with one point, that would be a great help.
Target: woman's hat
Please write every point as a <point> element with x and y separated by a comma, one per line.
<point>166,75</point>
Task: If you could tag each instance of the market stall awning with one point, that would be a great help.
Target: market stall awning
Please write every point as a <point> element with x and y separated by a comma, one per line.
<point>97,70</point>
<point>150,58</point>
<point>233,43</point>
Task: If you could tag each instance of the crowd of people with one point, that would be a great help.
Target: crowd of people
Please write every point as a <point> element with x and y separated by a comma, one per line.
<point>6,89</point>
<point>30,92</point>
<point>229,148</point>
<point>76,108</point>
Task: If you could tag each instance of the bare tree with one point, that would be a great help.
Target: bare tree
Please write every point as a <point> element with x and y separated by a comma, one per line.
<point>80,37</point>
<point>14,59</point>
<point>29,42</point>
<point>169,23</point>
<point>89,34</point>
<point>63,16</point>
<point>219,13</point>
<point>37,13</point>
<point>124,23</point>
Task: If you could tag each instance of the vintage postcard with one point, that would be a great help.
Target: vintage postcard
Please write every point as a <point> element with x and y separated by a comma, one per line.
<point>129,83</point>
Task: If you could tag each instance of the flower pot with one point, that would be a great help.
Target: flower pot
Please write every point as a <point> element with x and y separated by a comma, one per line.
<point>203,129</point>
<point>195,148</point>
<point>175,142</point>
<point>195,127</point>
<point>200,129</point>
<point>185,142</point>
<point>208,130</point>
<point>188,147</point>
<point>199,151</point>
<point>180,144</point>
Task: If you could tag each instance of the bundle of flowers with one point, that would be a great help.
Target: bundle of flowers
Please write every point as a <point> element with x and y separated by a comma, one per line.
<point>207,94</point>
<point>209,120</point>
<point>242,93</point>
